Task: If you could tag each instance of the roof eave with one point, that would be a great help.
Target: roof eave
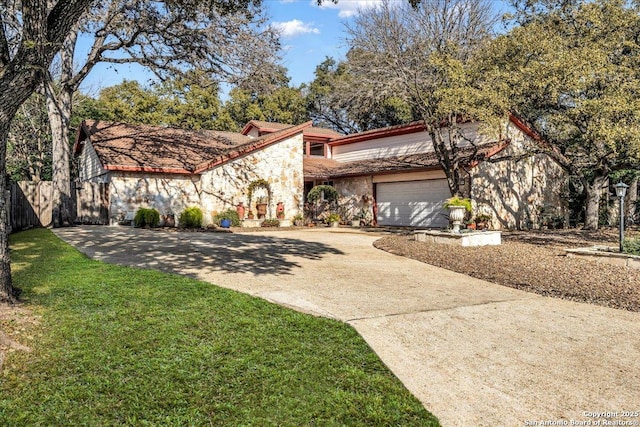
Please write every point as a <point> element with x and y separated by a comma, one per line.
<point>414,127</point>
<point>148,169</point>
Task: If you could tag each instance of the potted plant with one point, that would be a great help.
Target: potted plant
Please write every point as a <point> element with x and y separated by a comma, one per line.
<point>333,220</point>
<point>250,214</point>
<point>227,218</point>
<point>482,221</point>
<point>240,209</point>
<point>262,201</point>
<point>280,210</point>
<point>298,220</point>
<point>261,207</point>
<point>458,207</point>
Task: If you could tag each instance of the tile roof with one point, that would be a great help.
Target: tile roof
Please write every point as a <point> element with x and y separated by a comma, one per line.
<point>320,168</point>
<point>263,126</point>
<point>122,146</point>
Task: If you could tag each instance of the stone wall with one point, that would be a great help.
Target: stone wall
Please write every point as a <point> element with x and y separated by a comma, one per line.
<point>165,192</point>
<point>519,194</point>
<point>356,197</point>
<point>279,164</point>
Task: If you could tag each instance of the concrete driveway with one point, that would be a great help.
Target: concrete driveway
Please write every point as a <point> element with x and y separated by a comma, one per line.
<point>474,353</point>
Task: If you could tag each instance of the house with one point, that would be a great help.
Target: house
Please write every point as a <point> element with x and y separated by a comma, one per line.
<point>393,176</point>
<point>170,169</point>
<point>390,175</point>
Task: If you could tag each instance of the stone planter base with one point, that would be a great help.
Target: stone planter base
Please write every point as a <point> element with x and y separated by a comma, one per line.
<point>252,223</point>
<point>476,238</point>
<point>605,254</point>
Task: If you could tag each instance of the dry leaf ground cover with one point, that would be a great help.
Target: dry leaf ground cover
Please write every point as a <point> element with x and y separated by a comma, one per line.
<point>535,262</point>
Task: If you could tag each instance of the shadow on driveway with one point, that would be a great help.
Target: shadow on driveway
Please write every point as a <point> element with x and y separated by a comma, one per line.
<point>192,252</point>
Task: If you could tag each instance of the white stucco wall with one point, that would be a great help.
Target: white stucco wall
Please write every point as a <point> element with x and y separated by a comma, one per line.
<point>279,164</point>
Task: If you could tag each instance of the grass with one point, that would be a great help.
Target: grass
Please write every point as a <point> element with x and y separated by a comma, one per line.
<point>123,346</point>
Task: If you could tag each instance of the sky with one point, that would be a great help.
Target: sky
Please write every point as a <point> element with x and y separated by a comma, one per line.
<point>309,34</point>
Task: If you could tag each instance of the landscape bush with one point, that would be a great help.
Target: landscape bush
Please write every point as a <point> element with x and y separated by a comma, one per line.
<point>631,246</point>
<point>146,217</point>
<point>191,217</point>
<point>230,214</point>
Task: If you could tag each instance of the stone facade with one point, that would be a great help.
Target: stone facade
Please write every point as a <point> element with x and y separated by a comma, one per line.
<point>280,165</point>
<point>519,194</point>
<point>168,193</point>
<point>215,190</point>
<point>355,197</point>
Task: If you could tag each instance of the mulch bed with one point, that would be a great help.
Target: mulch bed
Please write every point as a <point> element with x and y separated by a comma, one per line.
<point>534,262</point>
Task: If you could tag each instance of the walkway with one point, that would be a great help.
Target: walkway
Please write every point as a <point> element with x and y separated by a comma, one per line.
<point>474,353</point>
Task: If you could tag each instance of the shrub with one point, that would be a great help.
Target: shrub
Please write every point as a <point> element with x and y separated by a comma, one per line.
<point>230,214</point>
<point>325,192</point>
<point>146,217</point>
<point>270,223</point>
<point>458,201</point>
<point>334,217</point>
<point>483,217</point>
<point>631,246</point>
<point>191,217</point>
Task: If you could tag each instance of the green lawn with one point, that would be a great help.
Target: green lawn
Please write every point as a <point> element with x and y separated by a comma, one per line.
<point>123,346</point>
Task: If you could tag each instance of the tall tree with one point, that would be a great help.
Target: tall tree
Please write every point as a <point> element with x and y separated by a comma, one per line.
<point>29,142</point>
<point>273,100</point>
<point>218,37</point>
<point>31,32</point>
<point>571,70</point>
<point>181,102</point>
<point>340,99</point>
<point>422,54</point>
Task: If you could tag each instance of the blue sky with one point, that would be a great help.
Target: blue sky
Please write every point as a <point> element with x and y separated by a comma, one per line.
<point>310,33</point>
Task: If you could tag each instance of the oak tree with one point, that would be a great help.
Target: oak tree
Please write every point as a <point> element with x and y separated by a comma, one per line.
<point>571,70</point>
<point>31,33</point>
<point>422,54</point>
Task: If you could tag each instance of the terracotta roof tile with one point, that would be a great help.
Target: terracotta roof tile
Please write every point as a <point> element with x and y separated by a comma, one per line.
<point>122,146</point>
<point>263,126</point>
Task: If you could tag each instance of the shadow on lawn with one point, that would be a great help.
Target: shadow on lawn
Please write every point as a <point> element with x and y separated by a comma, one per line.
<point>191,252</point>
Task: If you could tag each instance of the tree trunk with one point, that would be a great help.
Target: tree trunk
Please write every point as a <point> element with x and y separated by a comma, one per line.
<point>6,285</point>
<point>16,86</point>
<point>59,112</point>
<point>631,199</point>
<point>44,30</point>
<point>594,193</point>
<point>447,157</point>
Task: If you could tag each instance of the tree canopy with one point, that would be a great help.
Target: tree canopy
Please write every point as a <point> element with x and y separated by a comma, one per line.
<point>571,70</point>
<point>421,55</point>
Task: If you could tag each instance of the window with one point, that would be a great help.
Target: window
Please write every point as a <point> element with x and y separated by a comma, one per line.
<point>316,149</point>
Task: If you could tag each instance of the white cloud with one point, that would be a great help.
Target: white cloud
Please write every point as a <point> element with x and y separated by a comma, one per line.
<point>295,28</point>
<point>348,8</point>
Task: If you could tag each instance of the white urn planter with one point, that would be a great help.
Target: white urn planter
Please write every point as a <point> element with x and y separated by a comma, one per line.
<point>456,215</point>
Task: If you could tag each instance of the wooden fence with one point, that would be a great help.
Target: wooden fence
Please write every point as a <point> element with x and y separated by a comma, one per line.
<point>31,204</point>
<point>91,202</point>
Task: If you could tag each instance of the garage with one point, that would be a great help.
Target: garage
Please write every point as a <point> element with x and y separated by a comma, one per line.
<point>413,203</point>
